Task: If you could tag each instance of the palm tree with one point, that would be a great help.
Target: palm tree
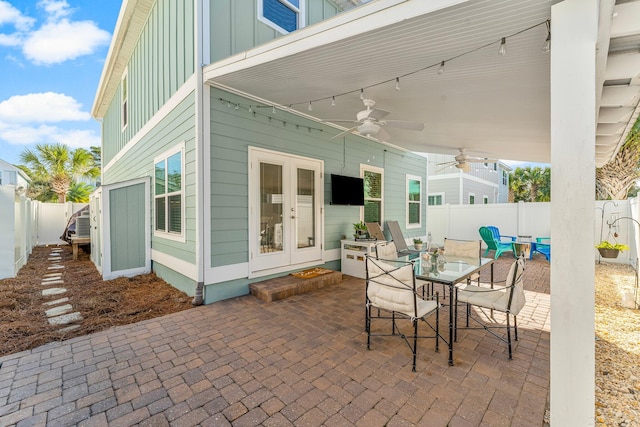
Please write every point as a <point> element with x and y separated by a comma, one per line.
<point>530,185</point>
<point>615,179</point>
<point>59,167</point>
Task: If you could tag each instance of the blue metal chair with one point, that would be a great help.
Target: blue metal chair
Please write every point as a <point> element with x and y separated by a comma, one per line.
<point>494,243</point>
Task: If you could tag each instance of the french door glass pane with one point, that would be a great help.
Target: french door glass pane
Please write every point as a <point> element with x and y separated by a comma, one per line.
<point>271,199</point>
<point>305,208</point>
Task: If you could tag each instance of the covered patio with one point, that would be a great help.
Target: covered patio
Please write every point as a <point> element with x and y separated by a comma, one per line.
<point>298,361</point>
<point>441,63</point>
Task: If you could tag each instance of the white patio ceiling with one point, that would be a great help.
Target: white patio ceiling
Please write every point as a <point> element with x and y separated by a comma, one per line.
<point>495,106</point>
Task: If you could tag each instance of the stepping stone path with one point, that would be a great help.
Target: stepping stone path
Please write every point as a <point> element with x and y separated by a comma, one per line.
<point>59,311</point>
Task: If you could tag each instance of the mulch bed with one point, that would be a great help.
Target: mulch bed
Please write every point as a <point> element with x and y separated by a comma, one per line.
<point>102,304</point>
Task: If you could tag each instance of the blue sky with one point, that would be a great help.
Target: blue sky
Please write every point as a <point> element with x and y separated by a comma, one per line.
<point>51,58</point>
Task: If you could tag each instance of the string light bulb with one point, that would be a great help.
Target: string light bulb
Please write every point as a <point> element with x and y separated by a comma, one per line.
<point>333,101</point>
<point>503,47</point>
<point>546,47</point>
<point>310,107</point>
<point>273,109</point>
<point>361,93</point>
<point>397,83</point>
<point>441,69</point>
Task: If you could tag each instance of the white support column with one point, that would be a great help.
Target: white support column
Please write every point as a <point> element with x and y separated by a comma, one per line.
<point>574,27</point>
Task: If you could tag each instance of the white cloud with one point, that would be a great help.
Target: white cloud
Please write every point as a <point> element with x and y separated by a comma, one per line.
<point>47,107</point>
<point>56,9</point>
<point>61,41</point>
<point>11,15</point>
<point>46,134</point>
<point>10,40</point>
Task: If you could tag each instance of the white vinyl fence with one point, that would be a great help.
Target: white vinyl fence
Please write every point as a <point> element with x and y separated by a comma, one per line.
<point>533,219</point>
<point>25,223</point>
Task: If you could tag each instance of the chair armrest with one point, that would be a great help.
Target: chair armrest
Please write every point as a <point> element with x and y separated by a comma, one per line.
<point>511,238</point>
<point>542,240</point>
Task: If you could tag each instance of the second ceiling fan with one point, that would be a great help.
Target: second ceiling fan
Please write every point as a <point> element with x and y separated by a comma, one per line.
<point>370,123</point>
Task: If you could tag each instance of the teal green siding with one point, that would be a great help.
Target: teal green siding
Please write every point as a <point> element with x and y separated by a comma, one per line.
<point>161,62</point>
<point>233,131</point>
<point>127,233</point>
<point>178,126</point>
<point>176,279</point>
<point>235,26</point>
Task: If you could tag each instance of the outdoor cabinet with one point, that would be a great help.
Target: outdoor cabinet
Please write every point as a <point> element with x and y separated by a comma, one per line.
<point>353,256</point>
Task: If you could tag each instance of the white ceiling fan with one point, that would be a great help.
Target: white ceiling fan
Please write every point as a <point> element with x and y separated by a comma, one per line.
<point>463,161</point>
<point>370,123</point>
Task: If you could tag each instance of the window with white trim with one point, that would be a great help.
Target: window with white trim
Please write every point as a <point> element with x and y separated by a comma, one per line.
<point>414,201</point>
<point>485,200</point>
<point>124,95</point>
<point>505,177</point>
<point>169,193</point>
<point>435,199</point>
<point>373,193</point>
<point>283,15</point>
<point>472,199</point>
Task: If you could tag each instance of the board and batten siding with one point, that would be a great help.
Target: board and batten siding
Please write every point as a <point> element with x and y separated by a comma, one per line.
<point>233,131</point>
<point>162,61</point>
<point>176,127</point>
<point>235,26</point>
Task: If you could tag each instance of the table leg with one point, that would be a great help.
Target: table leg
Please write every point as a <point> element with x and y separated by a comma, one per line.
<point>451,302</point>
<point>75,251</point>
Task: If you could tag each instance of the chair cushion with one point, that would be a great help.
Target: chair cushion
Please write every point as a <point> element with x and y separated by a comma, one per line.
<point>386,250</point>
<point>462,249</point>
<point>498,299</point>
<point>391,288</point>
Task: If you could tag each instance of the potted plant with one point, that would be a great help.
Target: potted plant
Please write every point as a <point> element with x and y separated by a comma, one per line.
<point>417,242</point>
<point>360,229</point>
<point>610,250</point>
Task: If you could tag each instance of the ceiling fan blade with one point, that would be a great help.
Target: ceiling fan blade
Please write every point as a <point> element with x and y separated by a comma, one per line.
<point>344,132</point>
<point>402,124</point>
<point>339,121</point>
<point>377,114</point>
<point>382,135</point>
<point>446,163</point>
<point>481,160</point>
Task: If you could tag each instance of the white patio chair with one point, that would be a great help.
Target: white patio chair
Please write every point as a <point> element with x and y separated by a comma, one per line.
<point>391,288</point>
<point>508,299</point>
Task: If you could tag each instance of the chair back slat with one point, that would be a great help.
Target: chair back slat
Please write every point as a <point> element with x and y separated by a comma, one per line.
<point>397,236</point>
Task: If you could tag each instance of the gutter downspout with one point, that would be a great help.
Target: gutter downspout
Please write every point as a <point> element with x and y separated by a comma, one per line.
<point>199,18</point>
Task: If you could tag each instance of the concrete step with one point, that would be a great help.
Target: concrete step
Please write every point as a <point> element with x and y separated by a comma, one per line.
<point>286,286</point>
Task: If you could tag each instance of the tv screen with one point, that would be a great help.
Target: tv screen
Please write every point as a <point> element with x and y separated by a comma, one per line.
<point>347,190</point>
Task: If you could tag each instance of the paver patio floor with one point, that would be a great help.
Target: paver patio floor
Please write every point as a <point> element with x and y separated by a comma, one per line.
<point>298,361</point>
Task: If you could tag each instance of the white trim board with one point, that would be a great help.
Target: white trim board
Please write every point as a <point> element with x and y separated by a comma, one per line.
<point>178,265</point>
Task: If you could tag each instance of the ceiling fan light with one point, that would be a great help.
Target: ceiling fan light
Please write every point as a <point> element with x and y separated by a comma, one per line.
<point>368,128</point>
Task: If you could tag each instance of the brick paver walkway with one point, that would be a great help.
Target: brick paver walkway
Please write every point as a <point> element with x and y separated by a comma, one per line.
<point>300,361</point>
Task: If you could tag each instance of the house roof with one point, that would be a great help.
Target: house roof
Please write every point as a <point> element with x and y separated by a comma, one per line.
<point>492,105</point>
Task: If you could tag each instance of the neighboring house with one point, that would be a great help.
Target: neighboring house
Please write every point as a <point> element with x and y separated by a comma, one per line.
<point>11,175</point>
<point>484,183</point>
<point>214,189</point>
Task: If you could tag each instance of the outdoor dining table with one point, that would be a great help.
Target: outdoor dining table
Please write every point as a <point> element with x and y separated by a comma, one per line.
<point>450,273</point>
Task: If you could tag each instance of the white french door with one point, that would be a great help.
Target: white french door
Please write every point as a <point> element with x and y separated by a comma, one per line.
<point>286,196</point>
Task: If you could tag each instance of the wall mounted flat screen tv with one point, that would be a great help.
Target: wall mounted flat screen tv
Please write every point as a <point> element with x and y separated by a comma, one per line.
<point>347,190</point>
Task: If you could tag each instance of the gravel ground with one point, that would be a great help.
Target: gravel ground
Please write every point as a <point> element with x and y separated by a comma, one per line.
<point>617,347</point>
